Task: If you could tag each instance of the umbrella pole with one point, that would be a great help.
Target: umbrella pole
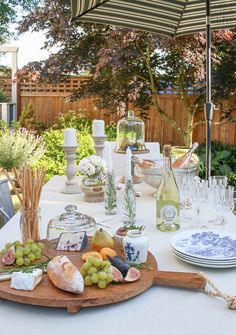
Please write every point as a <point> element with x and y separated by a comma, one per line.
<point>208,117</point>
<point>208,106</point>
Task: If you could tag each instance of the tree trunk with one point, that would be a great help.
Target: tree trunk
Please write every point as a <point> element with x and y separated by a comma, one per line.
<point>188,137</point>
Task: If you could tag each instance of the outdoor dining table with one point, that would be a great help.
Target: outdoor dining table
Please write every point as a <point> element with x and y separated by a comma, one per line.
<point>159,310</point>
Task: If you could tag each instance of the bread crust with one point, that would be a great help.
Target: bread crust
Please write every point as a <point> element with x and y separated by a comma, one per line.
<point>64,275</point>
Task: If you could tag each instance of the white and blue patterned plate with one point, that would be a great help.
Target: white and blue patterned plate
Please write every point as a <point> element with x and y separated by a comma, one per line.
<point>204,261</point>
<point>204,264</point>
<point>206,244</point>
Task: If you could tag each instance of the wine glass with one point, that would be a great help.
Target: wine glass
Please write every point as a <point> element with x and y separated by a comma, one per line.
<point>229,199</point>
<point>223,204</point>
<point>218,180</point>
<point>184,183</point>
<point>199,197</point>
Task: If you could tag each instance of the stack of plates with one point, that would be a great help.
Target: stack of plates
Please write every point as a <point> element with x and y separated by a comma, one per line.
<point>208,248</point>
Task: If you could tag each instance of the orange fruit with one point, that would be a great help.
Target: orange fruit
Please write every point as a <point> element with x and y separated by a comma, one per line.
<point>86,255</point>
<point>105,252</point>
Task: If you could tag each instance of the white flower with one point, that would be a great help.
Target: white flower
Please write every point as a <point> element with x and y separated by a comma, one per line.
<point>90,169</point>
<point>92,166</point>
<point>82,164</point>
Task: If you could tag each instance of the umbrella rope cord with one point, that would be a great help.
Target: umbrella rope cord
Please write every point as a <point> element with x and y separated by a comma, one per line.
<point>213,291</point>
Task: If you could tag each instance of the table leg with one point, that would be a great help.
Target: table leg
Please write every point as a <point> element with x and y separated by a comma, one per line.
<point>73,309</point>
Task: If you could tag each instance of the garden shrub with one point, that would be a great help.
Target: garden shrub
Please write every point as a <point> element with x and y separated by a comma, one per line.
<point>232,179</point>
<point>28,120</point>
<point>3,96</point>
<point>3,126</point>
<point>81,122</point>
<point>71,119</point>
<point>223,160</point>
<point>54,158</point>
<point>110,130</point>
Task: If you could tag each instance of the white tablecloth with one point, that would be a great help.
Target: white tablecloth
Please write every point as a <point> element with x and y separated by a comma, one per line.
<point>160,310</point>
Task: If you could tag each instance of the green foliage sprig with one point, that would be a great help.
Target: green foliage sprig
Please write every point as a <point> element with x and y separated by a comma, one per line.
<point>129,203</point>
<point>110,193</point>
<point>142,266</point>
<point>39,265</point>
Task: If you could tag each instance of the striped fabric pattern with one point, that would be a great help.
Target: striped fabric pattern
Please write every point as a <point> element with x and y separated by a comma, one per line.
<point>168,17</point>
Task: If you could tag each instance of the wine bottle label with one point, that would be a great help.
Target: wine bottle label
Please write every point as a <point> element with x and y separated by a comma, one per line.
<point>168,212</point>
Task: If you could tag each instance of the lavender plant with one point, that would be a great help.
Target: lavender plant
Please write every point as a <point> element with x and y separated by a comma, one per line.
<point>18,147</point>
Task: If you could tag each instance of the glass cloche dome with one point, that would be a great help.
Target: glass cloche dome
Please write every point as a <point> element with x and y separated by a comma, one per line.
<point>130,133</point>
<point>70,221</point>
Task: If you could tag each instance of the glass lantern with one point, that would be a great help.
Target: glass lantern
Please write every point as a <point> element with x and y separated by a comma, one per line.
<point>130,133</point>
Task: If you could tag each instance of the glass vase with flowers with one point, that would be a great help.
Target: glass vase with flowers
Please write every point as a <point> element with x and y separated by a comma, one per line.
<point>93,169</point>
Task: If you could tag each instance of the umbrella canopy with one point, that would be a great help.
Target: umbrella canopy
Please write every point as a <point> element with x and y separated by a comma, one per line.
<point>167,17</point>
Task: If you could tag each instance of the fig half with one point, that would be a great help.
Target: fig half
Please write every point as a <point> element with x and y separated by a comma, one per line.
<point>8,257</point>
<point>133,274</point>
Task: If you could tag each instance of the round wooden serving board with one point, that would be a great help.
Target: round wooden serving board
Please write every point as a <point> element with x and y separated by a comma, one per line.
<point>46,294</point>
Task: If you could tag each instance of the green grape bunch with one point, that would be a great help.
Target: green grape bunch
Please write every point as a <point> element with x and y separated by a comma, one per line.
<point>96,272</point>
<point>24,253</point>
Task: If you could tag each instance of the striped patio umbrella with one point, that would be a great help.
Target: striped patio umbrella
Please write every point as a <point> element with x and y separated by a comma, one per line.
<point>167,17</point>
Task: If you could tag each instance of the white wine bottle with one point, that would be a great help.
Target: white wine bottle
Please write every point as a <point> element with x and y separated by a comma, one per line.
<point>167,198</point>
<point>184,160</point>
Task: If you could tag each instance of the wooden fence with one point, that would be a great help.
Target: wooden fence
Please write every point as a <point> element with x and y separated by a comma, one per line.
<point>50,100</point>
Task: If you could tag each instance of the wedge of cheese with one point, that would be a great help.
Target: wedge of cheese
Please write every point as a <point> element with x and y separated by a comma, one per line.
<point>26,281</point>
<point>72,241</point>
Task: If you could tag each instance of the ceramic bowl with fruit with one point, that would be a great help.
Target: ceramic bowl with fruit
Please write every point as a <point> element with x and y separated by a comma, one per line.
<point>151,171</point>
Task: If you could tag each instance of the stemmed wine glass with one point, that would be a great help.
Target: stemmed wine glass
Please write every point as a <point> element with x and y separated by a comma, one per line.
<point>199,197</point>
<point>184,183</point>
<point>223,202</point>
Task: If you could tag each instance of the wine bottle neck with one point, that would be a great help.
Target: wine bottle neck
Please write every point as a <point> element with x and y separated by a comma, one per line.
<point>167,164</point>
<point>193,148</point>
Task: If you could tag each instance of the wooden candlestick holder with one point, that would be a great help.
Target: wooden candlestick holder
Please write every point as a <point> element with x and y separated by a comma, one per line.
<point>99,144</point>
<point>71,186</point>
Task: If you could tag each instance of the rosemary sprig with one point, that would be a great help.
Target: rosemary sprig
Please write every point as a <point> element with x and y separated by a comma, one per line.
<point>141,266</point>
<point>134,227</point>
<point>129,202</point>
<point>30,268</point>
<point>110,194</point>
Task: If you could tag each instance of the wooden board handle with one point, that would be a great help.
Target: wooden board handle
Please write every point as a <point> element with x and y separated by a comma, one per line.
<point>190,280</point>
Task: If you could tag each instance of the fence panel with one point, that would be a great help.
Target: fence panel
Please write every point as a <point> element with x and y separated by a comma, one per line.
<point>50,100</point>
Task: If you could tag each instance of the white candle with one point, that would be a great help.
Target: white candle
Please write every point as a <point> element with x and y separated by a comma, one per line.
<point>70,138</point>
<point>98,128</point>
<point>128,164</point>
<point>109,158</point>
